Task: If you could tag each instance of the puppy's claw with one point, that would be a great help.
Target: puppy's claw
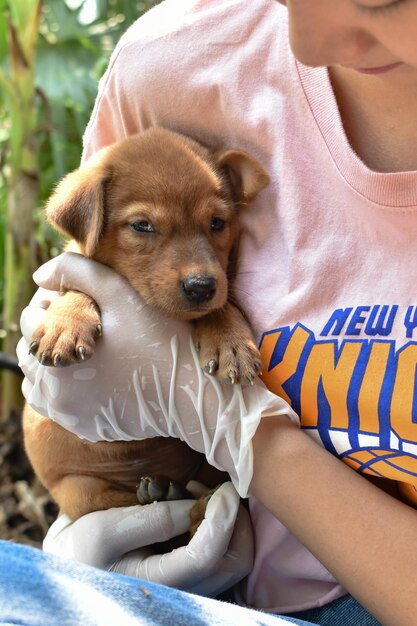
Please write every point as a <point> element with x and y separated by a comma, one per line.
<point>81,352</point>
<point>99,330</point>
<point>142,493</point>
<point>258,367</point>
<point>56,360</point>
<point>175,492</point>
<point>233,377</point>
<point>211,366</point>
<point>33,347</point>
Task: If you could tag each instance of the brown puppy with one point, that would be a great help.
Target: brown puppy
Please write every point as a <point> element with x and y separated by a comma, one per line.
<point>163,211</point>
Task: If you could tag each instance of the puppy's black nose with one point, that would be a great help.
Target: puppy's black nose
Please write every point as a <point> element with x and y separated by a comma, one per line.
<point>199,289</point>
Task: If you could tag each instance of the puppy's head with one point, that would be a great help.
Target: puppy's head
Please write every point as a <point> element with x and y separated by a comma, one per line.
<point>162,210</point>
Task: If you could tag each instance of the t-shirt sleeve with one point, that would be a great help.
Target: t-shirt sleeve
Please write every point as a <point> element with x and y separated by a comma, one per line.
<point>188,67</point>
<point>149,76</point>
<point>113,116</point>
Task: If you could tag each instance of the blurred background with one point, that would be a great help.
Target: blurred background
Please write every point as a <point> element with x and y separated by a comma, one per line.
<point>52,54</point>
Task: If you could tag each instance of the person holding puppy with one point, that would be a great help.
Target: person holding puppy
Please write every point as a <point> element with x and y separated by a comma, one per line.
<point>324,94</point>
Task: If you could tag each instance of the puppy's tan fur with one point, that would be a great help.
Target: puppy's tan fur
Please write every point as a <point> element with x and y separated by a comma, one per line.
<point>163,211</point>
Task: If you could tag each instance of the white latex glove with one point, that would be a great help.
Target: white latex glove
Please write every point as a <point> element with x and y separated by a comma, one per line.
<point>144,379</point>
<point>218,556</point>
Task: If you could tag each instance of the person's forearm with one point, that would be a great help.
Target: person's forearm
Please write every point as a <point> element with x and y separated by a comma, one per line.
<point>365,537</point>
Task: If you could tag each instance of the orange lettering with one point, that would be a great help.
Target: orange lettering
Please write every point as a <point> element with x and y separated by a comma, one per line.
<point>275,377</point>
<point>403,394</point>
<point>335,379</point>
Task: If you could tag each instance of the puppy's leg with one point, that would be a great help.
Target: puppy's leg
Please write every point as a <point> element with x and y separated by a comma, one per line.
<point>198,511</point>
<point>68,332</point>
<point>226,346</point>
<point>78,495</point>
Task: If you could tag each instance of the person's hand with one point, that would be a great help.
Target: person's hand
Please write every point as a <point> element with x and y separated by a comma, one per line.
<point>144,379</point>
<point>218,556</point>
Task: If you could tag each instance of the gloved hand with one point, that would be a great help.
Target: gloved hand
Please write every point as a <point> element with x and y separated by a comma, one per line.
<point>144,379</point>
<point>217,557</point>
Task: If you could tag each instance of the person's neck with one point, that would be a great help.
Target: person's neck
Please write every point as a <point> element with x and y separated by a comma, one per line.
<point>379,115</point>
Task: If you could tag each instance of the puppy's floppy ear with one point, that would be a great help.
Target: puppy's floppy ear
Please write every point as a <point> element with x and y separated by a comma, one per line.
<point>76,208</point>
<point>247,176</point>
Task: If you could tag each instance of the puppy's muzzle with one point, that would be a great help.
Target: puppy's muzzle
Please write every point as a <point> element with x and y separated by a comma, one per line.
<point>199,289</point>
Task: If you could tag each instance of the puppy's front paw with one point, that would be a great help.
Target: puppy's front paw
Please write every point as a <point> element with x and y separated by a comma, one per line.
<point>226,347</point>
<point>68,332</point>
<point>231,359</point>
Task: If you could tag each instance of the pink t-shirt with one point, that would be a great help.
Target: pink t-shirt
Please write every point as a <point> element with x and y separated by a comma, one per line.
<point>326,263</point>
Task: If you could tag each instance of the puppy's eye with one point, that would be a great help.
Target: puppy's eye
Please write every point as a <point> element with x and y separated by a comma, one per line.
<point>142,227</point>
<point>217,224</point>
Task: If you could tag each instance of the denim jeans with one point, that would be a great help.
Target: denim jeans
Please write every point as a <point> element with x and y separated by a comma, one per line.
<point>342,612</point>
<point>37,589</point>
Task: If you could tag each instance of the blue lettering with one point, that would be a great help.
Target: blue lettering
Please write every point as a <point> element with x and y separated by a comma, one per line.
<point>357,318</point>
<point>410,321</point>
<point>338,319</point>
<point>377,327</point>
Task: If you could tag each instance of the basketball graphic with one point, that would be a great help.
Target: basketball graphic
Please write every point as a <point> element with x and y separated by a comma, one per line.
<point>394,464</point>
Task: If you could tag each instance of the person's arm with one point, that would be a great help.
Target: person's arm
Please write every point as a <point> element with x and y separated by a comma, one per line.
<point>365,537</point>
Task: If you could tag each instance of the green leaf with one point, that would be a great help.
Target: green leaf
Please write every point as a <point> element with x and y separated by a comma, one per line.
<point>64,73</point>
<point>61,24</point>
